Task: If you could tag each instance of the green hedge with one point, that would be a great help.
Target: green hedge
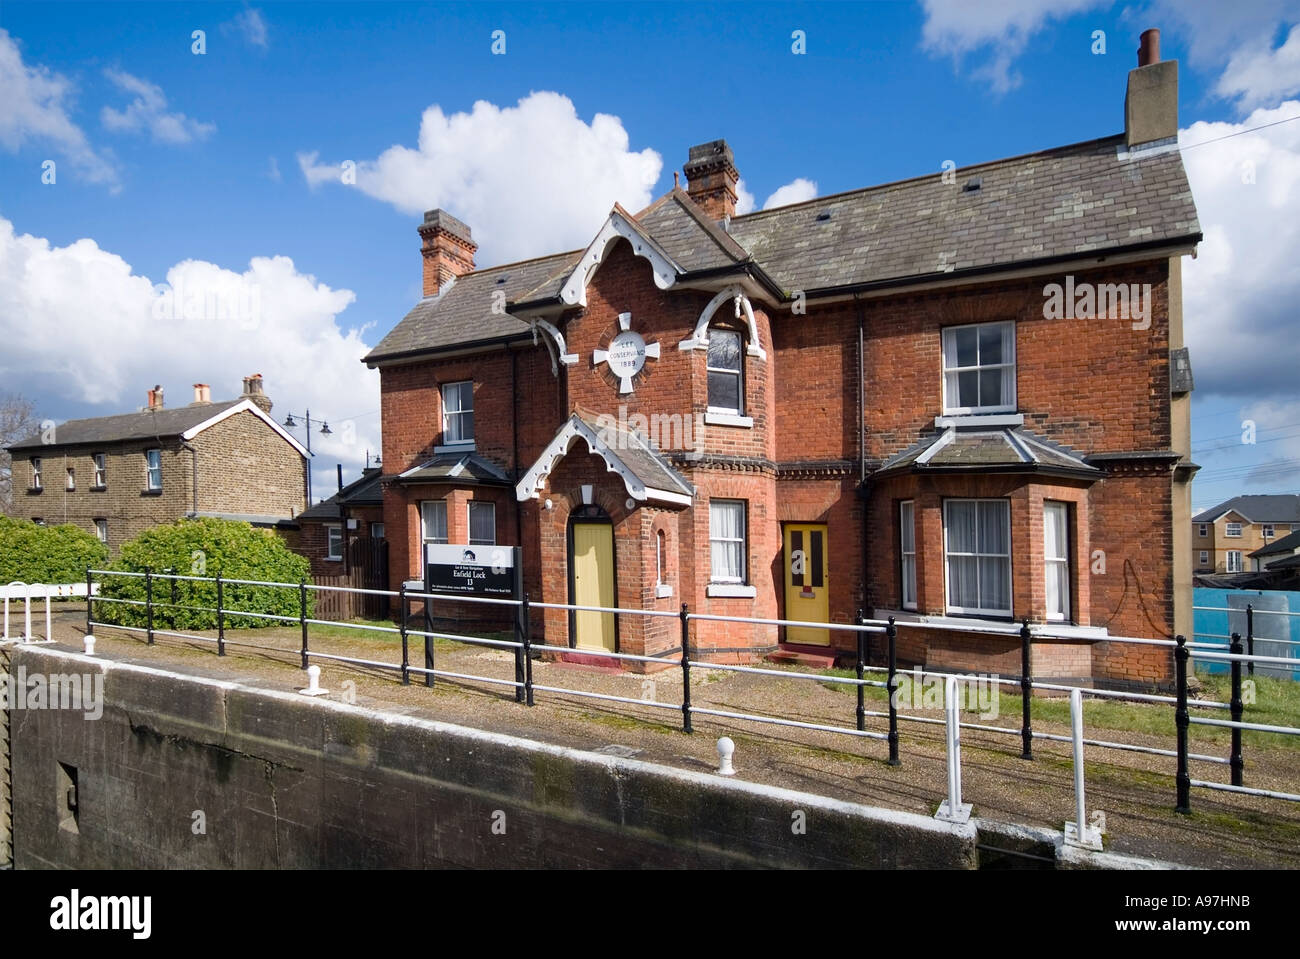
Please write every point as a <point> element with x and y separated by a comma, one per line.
<point>47,554</point>
<point>205,547</point>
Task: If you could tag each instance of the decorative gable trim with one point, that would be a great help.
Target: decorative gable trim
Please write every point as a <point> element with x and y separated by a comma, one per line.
<point>554,344</point>
<point>532,482</point>
<point>619,225</point>
<point>251,407</point>
<point>700,338</point>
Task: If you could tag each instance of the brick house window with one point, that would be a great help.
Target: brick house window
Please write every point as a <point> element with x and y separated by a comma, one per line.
<point>101,471</point>
<point>153,469</point>
<point>1234,561</point>
<point>1056,559</point>
<point>979,368</point>
<point>433,521</point>
<point>334,542</point>
<point>38,521</point>
<point>482,523</point>
<point>1204,529</point>
<point>101,530</point>
<point>977,548</point>
<point>907,549</point>
<point>458,413</point>
<point>1205,557</point>
<point>36,472</point>
<point>725,366</point>
<point>376,530</point>
<point>72,477</point>
<point>1232,529</point>
<point>727,540</point>
<point>1268,530</point>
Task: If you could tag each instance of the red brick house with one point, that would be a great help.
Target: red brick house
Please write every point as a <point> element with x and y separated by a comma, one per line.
<point>956,398</point>
<point>328,531</point>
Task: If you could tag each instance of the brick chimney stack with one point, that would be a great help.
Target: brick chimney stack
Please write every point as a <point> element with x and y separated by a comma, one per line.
<point>711,178</point>
<point>154,398</point>
<point>1151,101</point>
<point>253,391</point>
<point>447,247</point>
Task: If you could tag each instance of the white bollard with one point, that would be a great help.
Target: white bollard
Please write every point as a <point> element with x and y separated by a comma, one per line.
<point>313,683</point>
<point>1079,833</point>
<point>726,748</point>
<point>90,644</point>
<point>953,809</point>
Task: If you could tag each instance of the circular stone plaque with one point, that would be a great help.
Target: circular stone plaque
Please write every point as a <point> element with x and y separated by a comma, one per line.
<point>626,354</point>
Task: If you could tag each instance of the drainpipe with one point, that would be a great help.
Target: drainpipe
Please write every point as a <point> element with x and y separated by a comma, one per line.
<point>514,442</point>
<point>863,487</point>
<point>194,475</point>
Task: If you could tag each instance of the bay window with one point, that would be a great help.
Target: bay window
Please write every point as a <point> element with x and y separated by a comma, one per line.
<point>1056,559</point>
<point>977,550</point>
<point>907,549</point>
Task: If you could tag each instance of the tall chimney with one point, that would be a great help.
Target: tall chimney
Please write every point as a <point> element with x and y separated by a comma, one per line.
<point>711,178</point>
<point>155,398</point>
<point>447,247</point>
<point>202,394</point>
<point>253,391</point>
<point>1151,101</point>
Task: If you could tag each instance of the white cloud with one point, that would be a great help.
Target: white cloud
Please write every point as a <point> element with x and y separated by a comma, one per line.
<point>250,25</point>
<point>796,191</point>
<point>1257,74</point>
<point>1241,291</point>
<point>148,112</point>
<point>529,179</point>
<point>745,202</point>
<point>286,325</point>
<point>34,109</point>
<point>998,32</point>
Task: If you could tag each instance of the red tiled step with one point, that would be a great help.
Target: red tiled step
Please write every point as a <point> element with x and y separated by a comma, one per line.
<point>815,657</point>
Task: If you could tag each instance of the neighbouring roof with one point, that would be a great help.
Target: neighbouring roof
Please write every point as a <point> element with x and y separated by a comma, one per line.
<point>460,468</point>
<point>1291,562</point>
<point>1265,508</point>
<point>364,491</point>
<point>146,424</point>
<point>1287,544</point>
<point>1078,200</point>
<point>253,519</point>
<point>1013,449</point>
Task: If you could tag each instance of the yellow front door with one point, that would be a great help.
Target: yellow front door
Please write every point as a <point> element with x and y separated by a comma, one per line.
<point>806,595</point>
<point>593,585</point>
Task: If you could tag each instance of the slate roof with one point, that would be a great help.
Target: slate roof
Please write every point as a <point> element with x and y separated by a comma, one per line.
<point>461,468</point>
<point>1287,544</point>
<point>127,426</point>
<point>1012,449</point>
<point>639,456</point>
<point>363,491</point>
<point>1276,508</point>
<point>1081,199</point>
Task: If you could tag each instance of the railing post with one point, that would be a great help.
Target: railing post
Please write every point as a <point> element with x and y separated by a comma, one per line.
<point>406,647</point>
<point>302,617</point>
<point>686,669</point>
<point>148,603</point>
<point>1182,721</point>
<point>953,809</point>
<point>862,657</point>
<point>528,652</point>
<point>1250,637</point>
<point>89,591</point>
<point>891,687</point>
<point>221,617</point>
<point>428,640</point>
<point>1079,833</point>
<point>1236,762</point>
<point>1026,693</point>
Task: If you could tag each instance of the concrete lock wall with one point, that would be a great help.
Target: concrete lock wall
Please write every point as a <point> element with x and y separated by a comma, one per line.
<point>184,771</point>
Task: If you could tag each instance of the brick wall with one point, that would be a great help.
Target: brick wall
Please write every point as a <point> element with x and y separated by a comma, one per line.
<point>247,467</point>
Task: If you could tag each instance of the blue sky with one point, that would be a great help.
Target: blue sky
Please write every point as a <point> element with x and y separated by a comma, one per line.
<point>179,167</point>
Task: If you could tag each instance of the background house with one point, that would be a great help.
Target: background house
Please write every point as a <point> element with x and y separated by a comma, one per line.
<point>1232,536</point>
<point>116,476</point>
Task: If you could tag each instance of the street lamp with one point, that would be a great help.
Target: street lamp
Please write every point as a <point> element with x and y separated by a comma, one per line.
<point>325,430</point>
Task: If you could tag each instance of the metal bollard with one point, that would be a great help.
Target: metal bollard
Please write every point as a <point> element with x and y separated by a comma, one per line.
<point>953,809</point>
<point>90,644</point>
<point>726,749</point>
<point>313,683</point>
<point>1079,833</point>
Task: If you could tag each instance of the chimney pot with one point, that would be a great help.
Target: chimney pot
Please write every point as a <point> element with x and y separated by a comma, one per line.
<point>202,393</point>
<point>155,398</point>
<point>1149,47</point>
<point>448,248</point>
<point>253,391</point>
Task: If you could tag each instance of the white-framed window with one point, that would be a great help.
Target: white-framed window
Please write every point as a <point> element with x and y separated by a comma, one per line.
<point>1056,559</point>
<point>1232,529</point>
<point>72,477</point>
<point>101,470</point>
<point>907,549</point>
<point>433,521</point>
<point>153,469</point>
<point>333,541</point>
<point>458,412</point>
<point>38,521</point>
<point>659,558</point>
<point>1203,530</point>
<point>101,530</point>
<point>482,523</point>
<point>1268,530</point>
<point>376,530</point>
<point>1205,557</point>
<point>36,472</point>
<point>727,540</point>
<point>979,368</point>
<point>977,549</point>
<point>1234,561</point>
<point>725,367</point>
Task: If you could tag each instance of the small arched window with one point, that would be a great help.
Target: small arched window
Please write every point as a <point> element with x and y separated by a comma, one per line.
<point>726,366</point>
